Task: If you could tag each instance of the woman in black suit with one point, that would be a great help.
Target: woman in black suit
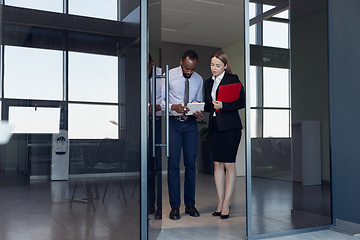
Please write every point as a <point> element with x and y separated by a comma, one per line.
<point>225,130</point>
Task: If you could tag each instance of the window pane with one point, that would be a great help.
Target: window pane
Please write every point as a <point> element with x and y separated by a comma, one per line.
<point>253,87</point>
<point>46,5</point>
<point>284,14</point>
<point>41,75</point>
<point>252,10</point>
<point>276,34</point>
<point>93,78</point>
<point>37,120</point>
<point>106,9</point>
<point>256,123</point>
<point>276,123</point>
<point>252,33</point>
<point>276,87</point>
<point>93,121</point>
<point>267,7</point>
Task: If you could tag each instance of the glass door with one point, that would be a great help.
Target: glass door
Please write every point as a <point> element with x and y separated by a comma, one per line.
<point>71,87</point>
<point>288,181</point>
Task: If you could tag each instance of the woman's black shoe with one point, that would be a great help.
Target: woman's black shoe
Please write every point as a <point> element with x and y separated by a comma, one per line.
<point>224,216</point>
<point>216,214</point>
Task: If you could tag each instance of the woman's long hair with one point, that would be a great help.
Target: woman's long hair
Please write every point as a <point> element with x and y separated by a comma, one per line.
<point>222,56</point>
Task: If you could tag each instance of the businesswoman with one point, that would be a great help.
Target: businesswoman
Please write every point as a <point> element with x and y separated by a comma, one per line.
<point>224,129</point>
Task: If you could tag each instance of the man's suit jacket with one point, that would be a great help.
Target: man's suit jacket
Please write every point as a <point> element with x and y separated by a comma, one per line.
<point>228,117</point>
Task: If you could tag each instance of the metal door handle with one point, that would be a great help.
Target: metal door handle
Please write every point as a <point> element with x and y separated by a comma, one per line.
<point>154,77</point>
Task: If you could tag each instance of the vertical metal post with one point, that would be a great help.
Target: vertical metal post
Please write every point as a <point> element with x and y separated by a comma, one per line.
<point>247,122</point>
<point>167,108</point>
<point>144,58</point>
<point>154,108</point>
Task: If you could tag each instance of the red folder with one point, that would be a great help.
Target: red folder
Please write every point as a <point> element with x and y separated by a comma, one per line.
<point>229,93</point>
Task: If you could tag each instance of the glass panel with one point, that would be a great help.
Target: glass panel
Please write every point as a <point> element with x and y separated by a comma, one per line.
<point>93,78</point>
<point>276,123</point>
<point>276,87</point>
<point>43,51</point>
<point>46,5</point>
<point>38,119</point>
<point>40,77</point>
<point>105,9</point>
<point>290,162</point>
<point>93,121</point>
<point>276,34</point>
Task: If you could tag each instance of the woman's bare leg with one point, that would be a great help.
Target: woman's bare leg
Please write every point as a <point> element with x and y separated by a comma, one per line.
<point>230,186</point>
<point>219,177</point>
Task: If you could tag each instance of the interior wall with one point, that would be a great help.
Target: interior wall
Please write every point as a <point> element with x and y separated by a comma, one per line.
<point>172,53</point>
<point>309,78</point>
<point>236,54</point>
<point>344,75</point>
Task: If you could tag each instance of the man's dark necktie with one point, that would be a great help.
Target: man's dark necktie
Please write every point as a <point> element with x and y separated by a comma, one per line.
<point>186,95</point>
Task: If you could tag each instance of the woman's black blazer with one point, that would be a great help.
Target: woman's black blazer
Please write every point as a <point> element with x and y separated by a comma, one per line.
<point>228,117</point>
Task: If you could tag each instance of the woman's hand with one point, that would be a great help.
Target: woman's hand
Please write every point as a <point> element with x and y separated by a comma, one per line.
<point>217,104</point>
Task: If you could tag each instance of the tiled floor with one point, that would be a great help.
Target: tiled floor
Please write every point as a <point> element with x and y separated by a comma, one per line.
<point>41,210</point>
<point>319,235</point>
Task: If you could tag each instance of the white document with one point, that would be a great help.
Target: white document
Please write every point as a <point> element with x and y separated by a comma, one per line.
<point>195,107</point>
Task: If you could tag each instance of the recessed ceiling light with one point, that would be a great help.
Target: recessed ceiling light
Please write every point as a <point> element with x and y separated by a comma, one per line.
<point>215,3</point>
<point>169,29</point>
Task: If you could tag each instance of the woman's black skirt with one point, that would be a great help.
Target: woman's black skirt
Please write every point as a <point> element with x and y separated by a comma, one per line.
<point>224,144</point>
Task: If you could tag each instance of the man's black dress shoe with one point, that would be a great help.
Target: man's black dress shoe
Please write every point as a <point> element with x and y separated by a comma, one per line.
<point>192,211</point>
<point>174,213</point>
<point>158,214</point>
<point>216,214</point>
<point>151,209</point>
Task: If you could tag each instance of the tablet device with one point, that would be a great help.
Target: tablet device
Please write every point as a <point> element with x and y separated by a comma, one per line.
<point>195,107</point>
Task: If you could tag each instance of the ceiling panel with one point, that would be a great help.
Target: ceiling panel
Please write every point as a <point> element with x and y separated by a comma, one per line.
<point>200,7</point>
<point>174,4</point>
<point>215,23</point>
<point>182,16</point>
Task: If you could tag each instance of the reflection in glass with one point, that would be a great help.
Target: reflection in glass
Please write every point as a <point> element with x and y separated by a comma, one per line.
<point>276,87</point>
<point>46,5</point>
<point>32,73</point>
<point>93,121</point>
<point>37,120</point>
<point>105,9</point>
<point>93,78</point>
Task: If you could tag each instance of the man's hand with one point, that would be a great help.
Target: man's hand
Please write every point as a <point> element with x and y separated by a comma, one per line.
<point>199,115</point>
<point>179,108</point>
<point>158,108</point>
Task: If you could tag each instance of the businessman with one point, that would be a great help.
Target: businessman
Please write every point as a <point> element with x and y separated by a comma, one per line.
<point>185,86</point>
